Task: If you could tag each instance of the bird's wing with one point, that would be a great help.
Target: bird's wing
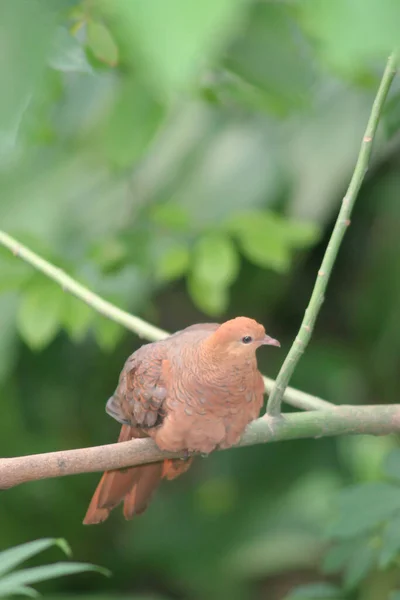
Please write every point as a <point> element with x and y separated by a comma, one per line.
<point>141,392</point>
<point>198,327</point>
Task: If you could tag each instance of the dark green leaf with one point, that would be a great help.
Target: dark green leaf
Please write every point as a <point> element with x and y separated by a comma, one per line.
<point>391,465</point>
<point>107,333</point>
<point>210,297</point>
<point>77,317</point>
<point>171,40</point>
<point>363,507</point>
<point>215,260</point>
<point>40,312</point>
<point>339,555</point>
<point>262,239</point>
<point>173,263</point>
<point>68,54</point>
<point>102,44</point>
<point>315,591</point>
<point>272,56</point>
<point>359,566</point>
<point>171,216</point>
<point>390,543</point>
<point>348,33</point>
<point>132,123</point>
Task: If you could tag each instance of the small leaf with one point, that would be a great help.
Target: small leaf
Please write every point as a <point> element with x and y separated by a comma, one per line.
<point>102,44</point>
<point>301,234</point>
<point>12,557</point>
<point>315,591</point>
<point>359,566</point>
<point>211,298</point>
<point>77,317</point>
<point>68,54</point>
<point>131,124</point>
<point>390,543</point>
<point>391,465</point>
<point>363,507</point>
<point>25,590</point>
<point>173,264</point>
<point>262,239</point>
<point>340,554</point>
<point>40,312</point>
<point>107,333</point>
<point>171,216</point>
<point>215,260</point>
<point>20,579</point>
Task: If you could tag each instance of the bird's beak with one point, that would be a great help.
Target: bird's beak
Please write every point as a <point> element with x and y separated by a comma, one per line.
<point>269,341</point>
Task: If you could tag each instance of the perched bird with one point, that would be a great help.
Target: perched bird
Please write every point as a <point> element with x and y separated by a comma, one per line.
<point>195,391</point>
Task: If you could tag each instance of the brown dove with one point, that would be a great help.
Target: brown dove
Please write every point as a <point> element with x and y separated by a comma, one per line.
<point>195,391</point>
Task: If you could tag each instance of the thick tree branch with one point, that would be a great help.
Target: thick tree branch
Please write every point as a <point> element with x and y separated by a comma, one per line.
<point>374,420</point>
<point>138,326</point>
<point>342,223</point>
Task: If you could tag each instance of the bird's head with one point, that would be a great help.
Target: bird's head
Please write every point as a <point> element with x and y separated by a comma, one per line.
<point>241,337</point>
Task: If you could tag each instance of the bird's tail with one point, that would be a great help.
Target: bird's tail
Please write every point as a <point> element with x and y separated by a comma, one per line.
<point>134,485</point>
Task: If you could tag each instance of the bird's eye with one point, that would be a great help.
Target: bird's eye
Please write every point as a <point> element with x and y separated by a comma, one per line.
<point>247,339</point>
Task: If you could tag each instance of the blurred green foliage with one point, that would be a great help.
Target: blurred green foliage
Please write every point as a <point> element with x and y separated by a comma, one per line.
<point>186,161</point>
<point>17,582</point>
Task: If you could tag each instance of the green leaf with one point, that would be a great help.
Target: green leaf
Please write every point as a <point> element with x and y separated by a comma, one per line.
<point>391,464</point>
<point>315,591</point>
<point>339,555</point>
<point>173,263</point>
<point>285,81</point>
<point>77,317</point>
<point>215,260</point>
<point>363,507</point>
<point>107,333</point>
<point>171,216</point>
<point>262,239</point>
<point>350,32</point>
<point>131,125</point>
<point>40,312</point>
<point>19,579</point>
<point>14,273</point>
<point>102,44</point>
<point>301,234</point>
<point>395,595</point>
<point>25,590</point>
<point>169,41</point>
<point>211,298</point>
<point>359,566</point>
<point>67,54</point>
<point>390,547</point>
<point>12,557</point>
<point>31,26</point>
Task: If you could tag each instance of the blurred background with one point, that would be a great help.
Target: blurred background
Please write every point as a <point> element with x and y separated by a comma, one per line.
<point>186,160</point>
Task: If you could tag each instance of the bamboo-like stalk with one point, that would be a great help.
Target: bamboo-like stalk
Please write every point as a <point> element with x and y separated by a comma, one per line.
<point>343,221</point>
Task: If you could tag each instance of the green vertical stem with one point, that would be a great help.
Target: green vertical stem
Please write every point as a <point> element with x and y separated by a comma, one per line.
<point>341,225</point>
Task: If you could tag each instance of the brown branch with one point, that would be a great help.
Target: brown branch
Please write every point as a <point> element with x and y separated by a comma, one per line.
<point>341,420</point>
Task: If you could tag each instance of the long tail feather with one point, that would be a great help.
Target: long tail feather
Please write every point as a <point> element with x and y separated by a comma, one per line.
<point>134,486</point>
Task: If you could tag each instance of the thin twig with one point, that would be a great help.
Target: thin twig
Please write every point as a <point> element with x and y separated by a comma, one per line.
<point>343,221</point>
<point>374,420</point>
<point>141,328</point>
